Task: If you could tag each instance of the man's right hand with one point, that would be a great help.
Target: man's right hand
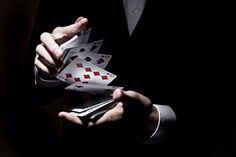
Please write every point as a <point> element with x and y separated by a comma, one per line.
<point>48,53</point>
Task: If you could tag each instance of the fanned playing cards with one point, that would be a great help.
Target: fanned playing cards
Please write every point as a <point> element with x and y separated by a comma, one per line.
<point>84,70</point>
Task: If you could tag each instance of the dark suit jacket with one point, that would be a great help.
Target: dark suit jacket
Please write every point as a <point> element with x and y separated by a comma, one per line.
<point>171,57</point>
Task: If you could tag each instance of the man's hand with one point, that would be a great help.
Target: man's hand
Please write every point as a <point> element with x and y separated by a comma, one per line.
<point>48,53</point>
<point>134,109</point>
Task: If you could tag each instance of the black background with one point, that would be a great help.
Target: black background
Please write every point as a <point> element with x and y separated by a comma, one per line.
<point>25,127</point>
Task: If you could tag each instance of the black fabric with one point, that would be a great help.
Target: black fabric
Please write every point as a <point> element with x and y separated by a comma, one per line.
<point>177,55</point>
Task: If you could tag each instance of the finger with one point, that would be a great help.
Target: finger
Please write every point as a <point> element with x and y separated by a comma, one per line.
<point>51,45</point>
<point>79,19</point>
<point>41,66</point>
<point>47,59</point>
<point>61,34</point>
<point>70,117</point>
<point>117,94</point>
<point>75,28</point>
<point>130,96</point>
<point>112,115</point>
<point>138,97</point>
<point>43,53</point>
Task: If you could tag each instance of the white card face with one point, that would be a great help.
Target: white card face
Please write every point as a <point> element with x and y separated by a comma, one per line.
<point>100,60</point>
<point>77,40</point>
<point>84,72</point>
<point>71,53</point>
<point>92,88</point>
<point>92,47</point>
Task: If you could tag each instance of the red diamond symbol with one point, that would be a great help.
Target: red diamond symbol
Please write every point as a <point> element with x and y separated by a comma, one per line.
<point>77,79</point>
<point>96,73</point>
<point>88,69</point>
<point>86,76</point>
<point>104,77</point>
<point>79,65</point>
<point>68,75</point>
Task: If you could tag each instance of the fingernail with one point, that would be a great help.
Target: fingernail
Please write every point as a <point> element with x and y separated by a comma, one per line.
<point>117,94</point>
<point>79,19</point>
<point>118,91</point>
<point>84,20</point>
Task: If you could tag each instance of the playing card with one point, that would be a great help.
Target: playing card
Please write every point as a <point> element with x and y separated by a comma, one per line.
<point>91,104</point>
<point>98,109</point>
<point>92,47</point>
<point>100,60</point>
<point>97,113</point>
<point>71,53</point>
<point>92,114</point>
<point>82,71</point>
<point>82,38</point>
<point>92,88</point>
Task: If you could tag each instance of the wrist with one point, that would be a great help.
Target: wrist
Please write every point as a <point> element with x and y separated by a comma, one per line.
<point>148,125</point>
<point>153,121</point>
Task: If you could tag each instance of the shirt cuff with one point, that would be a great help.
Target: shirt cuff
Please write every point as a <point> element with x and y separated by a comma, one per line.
<point>52,83</point>
<point>166,117</point>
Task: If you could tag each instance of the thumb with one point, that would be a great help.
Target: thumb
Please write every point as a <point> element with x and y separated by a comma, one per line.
<point>76,28</point>
<point>131,97</point>
<point>67,32</point>
<point>118,94</point>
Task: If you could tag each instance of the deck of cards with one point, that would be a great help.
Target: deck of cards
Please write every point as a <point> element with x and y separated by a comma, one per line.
<point>84,70</point>
<point>94,108</point>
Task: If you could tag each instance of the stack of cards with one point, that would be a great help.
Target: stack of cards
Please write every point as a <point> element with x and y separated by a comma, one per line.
<point>84,70</point>
<point>94,108</point>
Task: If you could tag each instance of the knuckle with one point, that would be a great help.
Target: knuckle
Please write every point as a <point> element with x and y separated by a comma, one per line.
<point>36,57</point>
<point>44,35</point>
<point>57,29</point>
<point>132,93</point>
<point>35,61</point>
<point>59,33</point>
<point>67,31</point>
<point>149,102</point>
<point>110,118</point>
